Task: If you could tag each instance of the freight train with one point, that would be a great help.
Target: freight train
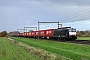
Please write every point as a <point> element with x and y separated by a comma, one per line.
<point>64,33</point>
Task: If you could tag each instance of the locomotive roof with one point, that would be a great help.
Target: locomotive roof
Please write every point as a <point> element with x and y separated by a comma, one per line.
<point>64,27</point>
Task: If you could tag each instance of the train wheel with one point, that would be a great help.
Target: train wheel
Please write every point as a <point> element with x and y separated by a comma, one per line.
<point>63,39</point>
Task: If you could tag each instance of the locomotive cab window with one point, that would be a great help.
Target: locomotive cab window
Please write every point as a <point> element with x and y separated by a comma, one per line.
<point>72,30</point>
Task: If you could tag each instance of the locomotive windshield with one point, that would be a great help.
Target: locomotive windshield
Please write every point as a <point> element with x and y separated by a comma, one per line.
<point>72,30</point>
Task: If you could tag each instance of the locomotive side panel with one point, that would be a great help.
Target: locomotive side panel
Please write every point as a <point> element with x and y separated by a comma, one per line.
<point>61,33</point>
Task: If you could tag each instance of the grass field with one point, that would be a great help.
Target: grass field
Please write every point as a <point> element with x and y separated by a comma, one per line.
<point>11,51</point>
<point>83,38</point>
<point>68,50</point>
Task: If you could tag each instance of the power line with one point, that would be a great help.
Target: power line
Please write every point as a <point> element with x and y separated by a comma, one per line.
<point>82,12</point>
<point>77,16</point>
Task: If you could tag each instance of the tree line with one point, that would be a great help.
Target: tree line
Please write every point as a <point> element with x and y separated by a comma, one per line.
<point>3,34</point>
<point>85,33</point>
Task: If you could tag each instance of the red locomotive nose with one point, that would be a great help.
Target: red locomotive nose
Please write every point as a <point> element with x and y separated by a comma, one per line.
<point>72,35</point>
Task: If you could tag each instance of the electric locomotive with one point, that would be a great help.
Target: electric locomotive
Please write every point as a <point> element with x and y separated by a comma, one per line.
<point>66,33</point>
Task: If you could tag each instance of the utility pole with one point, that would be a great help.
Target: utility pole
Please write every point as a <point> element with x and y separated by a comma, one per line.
<point>21,29</point>
<point>31,27</point>
<point>38,30</point>
<point>46,22</point>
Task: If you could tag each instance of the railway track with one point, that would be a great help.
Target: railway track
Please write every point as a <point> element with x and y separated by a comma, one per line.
<point>87,42</point>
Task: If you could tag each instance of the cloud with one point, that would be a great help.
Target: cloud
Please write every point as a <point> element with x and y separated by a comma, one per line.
<point>68,2</point>
<point>16,14</point>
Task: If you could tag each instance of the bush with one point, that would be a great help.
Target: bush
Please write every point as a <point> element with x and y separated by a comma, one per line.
<point>3,34</point>
<point>85,33</point>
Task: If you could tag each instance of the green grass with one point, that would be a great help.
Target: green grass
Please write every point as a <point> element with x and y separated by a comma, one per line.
<point>11,51</point>
<point>69,50</point>
<point>83,38</point>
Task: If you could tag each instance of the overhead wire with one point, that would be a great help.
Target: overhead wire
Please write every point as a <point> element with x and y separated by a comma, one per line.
<point>77,16</point>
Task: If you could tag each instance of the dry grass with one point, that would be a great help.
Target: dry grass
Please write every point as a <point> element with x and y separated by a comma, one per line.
<point>39,52</point>
<point>45,55</point>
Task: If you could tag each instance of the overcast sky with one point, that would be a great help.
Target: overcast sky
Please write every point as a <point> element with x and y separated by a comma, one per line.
<point>15,14</point>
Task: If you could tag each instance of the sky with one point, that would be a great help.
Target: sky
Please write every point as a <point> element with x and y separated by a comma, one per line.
<point>16,14</point>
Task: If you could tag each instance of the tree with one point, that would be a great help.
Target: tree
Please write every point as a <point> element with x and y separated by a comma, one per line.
<point>3,34</point>
<point>79,34</point>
